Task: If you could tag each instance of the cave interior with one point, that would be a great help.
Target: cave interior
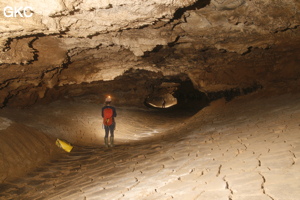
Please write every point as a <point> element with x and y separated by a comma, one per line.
<point>207,95</point>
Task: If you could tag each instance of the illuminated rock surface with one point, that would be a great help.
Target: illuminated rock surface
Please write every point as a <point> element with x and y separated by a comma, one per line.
<point>219,45</point>
<point>245,149</point>
<point>57,66</point>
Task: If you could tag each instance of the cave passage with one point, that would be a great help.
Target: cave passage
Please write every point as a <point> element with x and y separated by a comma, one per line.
<point>160,154</point>
<point>177,94</point>
<point>206,91</point>
<point>202,143</point>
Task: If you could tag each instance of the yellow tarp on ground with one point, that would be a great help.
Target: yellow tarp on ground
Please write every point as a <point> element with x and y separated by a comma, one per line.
<point>64,145</point>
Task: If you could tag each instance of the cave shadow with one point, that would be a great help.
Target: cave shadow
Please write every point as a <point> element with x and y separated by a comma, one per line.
<point>196,6</point>
<point>189,100</point>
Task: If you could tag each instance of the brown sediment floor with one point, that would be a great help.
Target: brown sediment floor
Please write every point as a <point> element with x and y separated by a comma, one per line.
<point>245,149</point>
<point>27,136</point>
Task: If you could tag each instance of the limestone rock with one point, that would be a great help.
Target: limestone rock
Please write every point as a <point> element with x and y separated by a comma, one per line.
<point>219,44</point>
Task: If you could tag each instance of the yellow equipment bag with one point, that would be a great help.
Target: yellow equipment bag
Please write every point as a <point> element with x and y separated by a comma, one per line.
<point>64,145</point>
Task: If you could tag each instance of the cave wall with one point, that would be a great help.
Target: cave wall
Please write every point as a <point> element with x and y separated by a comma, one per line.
<point>23,148</point>
<point>90,45</point>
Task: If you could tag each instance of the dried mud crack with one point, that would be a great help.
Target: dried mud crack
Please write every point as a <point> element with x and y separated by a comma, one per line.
<point>202,163</point>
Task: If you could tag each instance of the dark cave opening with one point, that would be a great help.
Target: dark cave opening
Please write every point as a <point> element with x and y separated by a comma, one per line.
<point>190,97</point>
<point>177,95</point>
<point>181,95</point>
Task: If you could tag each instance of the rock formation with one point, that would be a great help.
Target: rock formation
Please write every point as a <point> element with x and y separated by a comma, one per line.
<point>141,52</point>
<point>68,48</point>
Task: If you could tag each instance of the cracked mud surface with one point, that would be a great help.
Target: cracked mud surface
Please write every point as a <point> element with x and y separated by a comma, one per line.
<point>246,149</point>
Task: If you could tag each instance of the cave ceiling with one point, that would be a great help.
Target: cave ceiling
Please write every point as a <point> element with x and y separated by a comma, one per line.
<point>217,44</point>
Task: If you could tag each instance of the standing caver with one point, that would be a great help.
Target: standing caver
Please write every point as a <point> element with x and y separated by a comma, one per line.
<point>109,113</point>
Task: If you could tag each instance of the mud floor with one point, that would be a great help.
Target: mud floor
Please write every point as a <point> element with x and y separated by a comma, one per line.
<point>245,149</point>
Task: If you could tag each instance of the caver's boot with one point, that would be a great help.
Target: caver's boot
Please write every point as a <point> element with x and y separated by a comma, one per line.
<point>106,141</point>
<point>111,142</point>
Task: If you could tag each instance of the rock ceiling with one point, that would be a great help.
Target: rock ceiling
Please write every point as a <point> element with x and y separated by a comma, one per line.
<point>217,44</point>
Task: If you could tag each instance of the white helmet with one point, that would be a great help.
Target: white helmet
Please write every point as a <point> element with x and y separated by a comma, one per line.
<point>108,99</point>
